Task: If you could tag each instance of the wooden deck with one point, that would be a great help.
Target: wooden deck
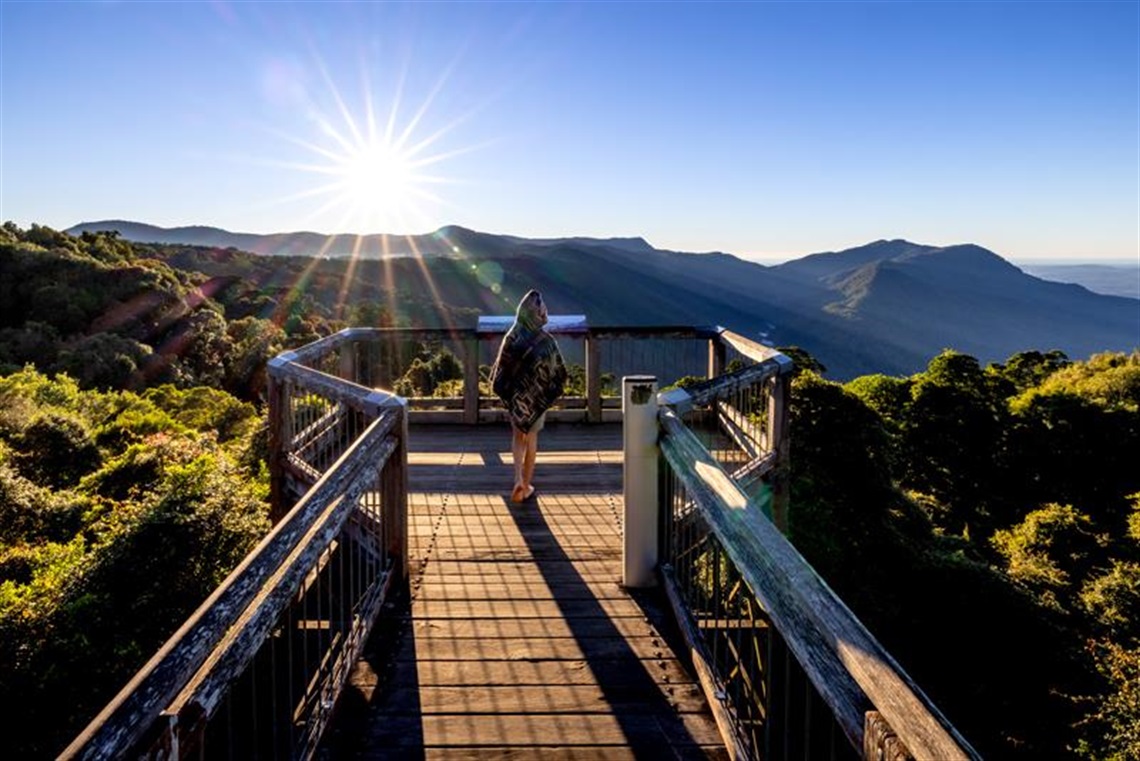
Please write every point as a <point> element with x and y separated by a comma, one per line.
<point>520,641</point>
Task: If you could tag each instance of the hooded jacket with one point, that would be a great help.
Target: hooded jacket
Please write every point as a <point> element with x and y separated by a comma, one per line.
<point>528,374</point>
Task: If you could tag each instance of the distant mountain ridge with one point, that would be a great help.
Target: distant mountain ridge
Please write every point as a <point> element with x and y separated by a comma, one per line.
<point>1116,279</point>
<point>439,243</point>
<point>888,306</point>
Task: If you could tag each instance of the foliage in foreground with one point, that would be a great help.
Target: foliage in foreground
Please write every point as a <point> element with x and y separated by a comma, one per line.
<point>119,514</point>
<point>985,524</point>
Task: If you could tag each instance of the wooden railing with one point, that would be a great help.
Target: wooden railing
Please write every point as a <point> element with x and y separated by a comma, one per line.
<point>788,669</point>
<point>256,670</point>
<point>309,387</point>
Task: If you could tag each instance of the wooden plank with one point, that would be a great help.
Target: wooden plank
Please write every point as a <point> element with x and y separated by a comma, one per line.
<point>757,352</point>
<point>491,457</point>
<point>518,623</point>
<point>544,542</point>
<point>460,588</point>
<point>513,730</point>
<point>644,648</point>
<point>524,628</point>
<point>514,555</point>
<point>546,505</point>
<point>476,674</point>
<point>495,527</point>
<point>512,533</point>
<point>498,482</point>
<point>522,572</point>
<point>545,699</point>
<point>525,608</point>
<point>547,753</point>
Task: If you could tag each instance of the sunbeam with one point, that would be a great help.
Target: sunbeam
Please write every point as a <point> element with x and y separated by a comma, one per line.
<point>377,164</point>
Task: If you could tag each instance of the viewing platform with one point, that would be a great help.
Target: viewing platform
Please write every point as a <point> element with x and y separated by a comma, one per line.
<point>520,640</point>
<point>644,603</point>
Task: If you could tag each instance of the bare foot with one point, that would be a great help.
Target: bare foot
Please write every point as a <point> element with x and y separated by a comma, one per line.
<point>529,493</point>
<point>518,494</point>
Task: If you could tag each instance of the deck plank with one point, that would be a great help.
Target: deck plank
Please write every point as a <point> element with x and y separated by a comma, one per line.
<point>520,641</point>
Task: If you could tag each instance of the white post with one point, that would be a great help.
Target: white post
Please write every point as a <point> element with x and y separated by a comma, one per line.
<point>639,480</point>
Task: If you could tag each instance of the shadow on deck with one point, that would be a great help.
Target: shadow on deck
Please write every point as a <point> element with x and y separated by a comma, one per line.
<point>519,640</point>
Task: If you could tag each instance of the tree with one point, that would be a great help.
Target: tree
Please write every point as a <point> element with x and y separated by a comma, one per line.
<point>1029,368</point>
<point>253,342</point>
<point>802,361</point>
<point>1050,552</point>
<point>105,361</point>
<point>55,450</point>
<point>955,430</point>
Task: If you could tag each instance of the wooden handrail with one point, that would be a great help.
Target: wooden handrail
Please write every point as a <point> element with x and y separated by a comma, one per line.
<point>127,719</point>
<point>343,483</point>
<point>852,672</point>
<point>683,399</point>
<point>757,352</point>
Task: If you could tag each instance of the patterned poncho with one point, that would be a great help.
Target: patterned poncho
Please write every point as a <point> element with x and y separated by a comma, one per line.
<point>528,375</point>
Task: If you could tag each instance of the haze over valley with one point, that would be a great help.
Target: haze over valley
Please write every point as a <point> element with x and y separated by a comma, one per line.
<point>884,307</point>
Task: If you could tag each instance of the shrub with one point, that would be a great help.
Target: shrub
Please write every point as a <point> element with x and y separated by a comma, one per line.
<point>56,450</point>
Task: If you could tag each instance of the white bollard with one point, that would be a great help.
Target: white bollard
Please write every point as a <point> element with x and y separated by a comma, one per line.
<point>639,480</point>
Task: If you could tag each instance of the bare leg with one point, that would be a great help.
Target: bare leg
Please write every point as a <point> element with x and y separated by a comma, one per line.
<point>518,454</point>
<point>528,462</point>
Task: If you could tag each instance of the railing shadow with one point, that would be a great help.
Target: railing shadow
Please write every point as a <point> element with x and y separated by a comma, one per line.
<point>626,684</point>
<point>392,641</point>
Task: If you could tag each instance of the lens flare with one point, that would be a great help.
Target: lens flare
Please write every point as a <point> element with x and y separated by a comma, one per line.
<point>375,172</point>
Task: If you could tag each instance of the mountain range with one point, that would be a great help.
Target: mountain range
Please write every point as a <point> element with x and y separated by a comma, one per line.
<point>887,306</point>
<point>1118,278</point>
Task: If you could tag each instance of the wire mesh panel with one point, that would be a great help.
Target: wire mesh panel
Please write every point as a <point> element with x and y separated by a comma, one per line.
<point>671,357</point>
<point>279,705</point>
<point>772,707</point>
<point>731,420</point>
<point>322,430</point>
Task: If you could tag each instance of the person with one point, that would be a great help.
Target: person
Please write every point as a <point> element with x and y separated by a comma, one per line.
<point>528,375</point>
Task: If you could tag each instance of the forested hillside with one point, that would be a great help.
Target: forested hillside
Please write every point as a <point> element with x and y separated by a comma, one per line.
<point>985,524</point>
<point>119,513</point>
<point>982,519</point>
<point>887,306</point>
<point>112,315</point>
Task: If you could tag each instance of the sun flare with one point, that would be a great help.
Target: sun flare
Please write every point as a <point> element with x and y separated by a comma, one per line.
<point>373,172</point>
<point>375,178</point>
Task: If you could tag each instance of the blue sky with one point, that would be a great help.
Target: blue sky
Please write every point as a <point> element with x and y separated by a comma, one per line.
<point>765,129</point>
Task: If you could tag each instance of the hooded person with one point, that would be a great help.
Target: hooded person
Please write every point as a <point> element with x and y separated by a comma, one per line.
<point>528,375</point>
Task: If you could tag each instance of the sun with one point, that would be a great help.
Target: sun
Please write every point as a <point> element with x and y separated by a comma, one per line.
<point>375,178</point>
<point>371,172</point>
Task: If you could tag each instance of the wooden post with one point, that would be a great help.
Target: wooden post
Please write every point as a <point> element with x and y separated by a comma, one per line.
<point>348,366</point>
<point>593,381</point>
<point>471,379</point>
<point>717,353</point>
<point>778,442</point>
<point>279,432</point>
<point>394,493</point>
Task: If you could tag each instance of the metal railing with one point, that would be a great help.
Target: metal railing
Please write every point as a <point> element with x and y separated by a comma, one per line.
<point>256,670</point>
<point>788,670</point>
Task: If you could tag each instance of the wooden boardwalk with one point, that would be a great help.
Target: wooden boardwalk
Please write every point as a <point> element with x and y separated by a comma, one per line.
<point>519,641</point>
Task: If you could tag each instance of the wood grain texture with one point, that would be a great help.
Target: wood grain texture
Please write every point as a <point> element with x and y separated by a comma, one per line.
<point>519,641</point>
<point>850,669</point>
